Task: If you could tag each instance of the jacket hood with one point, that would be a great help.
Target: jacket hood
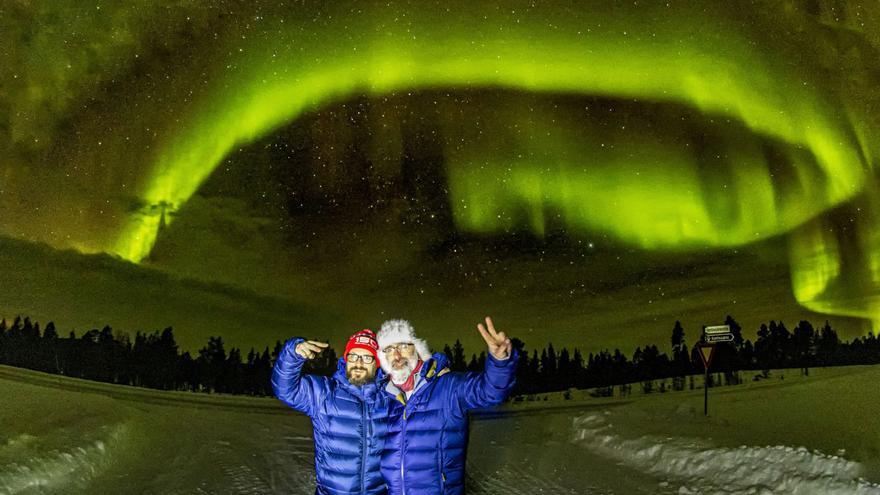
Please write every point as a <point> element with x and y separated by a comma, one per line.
<point>433,366</point>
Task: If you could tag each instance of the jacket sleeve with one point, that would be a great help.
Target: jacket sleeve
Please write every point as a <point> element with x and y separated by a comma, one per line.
<point>302,393</point>
<point>490,387</point>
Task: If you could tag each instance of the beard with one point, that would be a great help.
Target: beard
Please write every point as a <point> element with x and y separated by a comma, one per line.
<point>361,379</point>
<point>400,375</point>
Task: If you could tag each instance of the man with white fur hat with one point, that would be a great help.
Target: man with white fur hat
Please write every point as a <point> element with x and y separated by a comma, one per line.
<point>428,424</point>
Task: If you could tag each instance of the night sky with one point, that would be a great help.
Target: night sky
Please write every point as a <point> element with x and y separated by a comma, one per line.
<point>586,175</point>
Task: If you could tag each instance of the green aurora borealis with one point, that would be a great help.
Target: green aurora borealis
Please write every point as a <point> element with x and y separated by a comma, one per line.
<point>670,128</point>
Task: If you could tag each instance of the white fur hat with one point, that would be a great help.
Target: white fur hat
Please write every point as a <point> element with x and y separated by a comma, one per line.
<point>396,332</point>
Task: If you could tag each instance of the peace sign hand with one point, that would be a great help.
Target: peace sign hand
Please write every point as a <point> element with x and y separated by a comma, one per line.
<point>310,348</point>
<point>498,343</point>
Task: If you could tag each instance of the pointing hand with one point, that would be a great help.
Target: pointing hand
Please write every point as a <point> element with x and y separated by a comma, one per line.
<point>310,348</point>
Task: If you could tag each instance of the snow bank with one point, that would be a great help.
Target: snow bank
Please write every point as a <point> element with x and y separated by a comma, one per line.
<point>701,468</point>
<point>27,466</point>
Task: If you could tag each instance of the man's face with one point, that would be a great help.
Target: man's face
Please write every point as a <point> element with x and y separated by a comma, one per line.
<point>357,370</point>
<point>402,358</point>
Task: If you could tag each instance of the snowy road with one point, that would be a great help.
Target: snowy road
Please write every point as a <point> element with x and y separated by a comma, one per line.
<point>73,438</point>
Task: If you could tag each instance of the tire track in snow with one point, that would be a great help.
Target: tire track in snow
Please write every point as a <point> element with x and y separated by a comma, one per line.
<point>292,466</point>
<point>239,478</point>
<point>513,480</point>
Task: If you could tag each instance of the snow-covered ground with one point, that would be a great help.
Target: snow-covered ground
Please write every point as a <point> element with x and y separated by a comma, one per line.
<point>68,436</point>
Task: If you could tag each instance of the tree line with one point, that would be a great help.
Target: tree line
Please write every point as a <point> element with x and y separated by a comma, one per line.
<point>153,360</point>
<point>775,347</point>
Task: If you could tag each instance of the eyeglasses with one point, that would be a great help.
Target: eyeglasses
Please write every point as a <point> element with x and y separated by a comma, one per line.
<point>364,358</point>
<point>397,348</point>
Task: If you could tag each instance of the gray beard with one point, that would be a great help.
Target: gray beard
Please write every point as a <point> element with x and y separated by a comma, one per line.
<point>401,375</point>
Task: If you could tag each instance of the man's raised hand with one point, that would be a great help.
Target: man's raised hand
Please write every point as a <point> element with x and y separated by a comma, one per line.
<point>498,343</point>
<point>310,348</point>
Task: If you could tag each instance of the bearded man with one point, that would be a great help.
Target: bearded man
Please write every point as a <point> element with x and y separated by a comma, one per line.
<point>428,423</point>
<point>349,412</point>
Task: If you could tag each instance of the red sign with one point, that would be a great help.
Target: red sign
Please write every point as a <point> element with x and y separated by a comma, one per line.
<point>707,351</point>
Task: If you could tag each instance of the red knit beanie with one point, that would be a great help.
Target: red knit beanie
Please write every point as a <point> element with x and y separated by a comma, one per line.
<point>365,339</point>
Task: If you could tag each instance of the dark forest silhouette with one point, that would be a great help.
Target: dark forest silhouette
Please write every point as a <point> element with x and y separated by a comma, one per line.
<point>154,360</point>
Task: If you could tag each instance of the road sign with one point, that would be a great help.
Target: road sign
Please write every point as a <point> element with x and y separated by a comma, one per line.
<point>716,329</point>
<point>707,352</point>
<point>719,337</point>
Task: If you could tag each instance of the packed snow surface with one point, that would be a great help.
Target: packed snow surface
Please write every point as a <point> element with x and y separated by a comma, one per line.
<point>69,436</point>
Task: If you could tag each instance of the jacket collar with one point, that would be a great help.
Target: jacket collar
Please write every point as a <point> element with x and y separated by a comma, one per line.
<point>437,366</point>
<point>431,370</point>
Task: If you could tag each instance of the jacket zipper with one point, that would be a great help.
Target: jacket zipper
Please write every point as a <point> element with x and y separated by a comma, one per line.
<point>442,476</point>
<point>403,452</point>
<point>363,447</point>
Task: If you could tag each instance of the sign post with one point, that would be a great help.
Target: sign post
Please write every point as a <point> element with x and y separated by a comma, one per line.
<point>711,336</point>
<point>707,352</point>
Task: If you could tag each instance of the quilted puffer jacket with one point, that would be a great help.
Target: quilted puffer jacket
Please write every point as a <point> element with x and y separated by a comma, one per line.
<point>350,423</point>
<point>428,433</point>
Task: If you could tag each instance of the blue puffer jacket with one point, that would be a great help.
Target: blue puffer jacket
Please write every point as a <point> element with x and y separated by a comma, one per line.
<point>350,423</point>
<point>427,434</point>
